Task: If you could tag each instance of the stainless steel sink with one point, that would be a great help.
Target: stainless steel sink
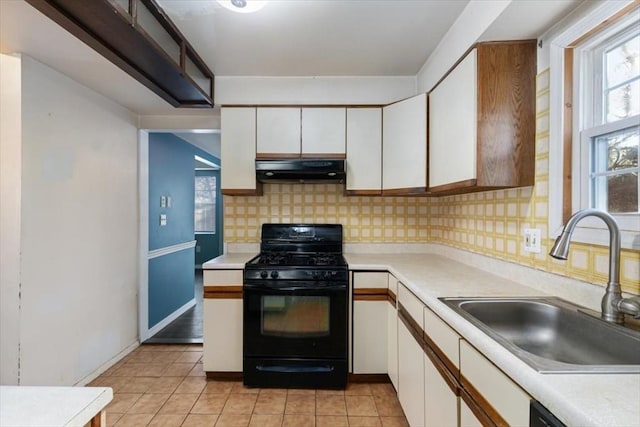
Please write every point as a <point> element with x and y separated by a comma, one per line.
<point>553,335</point>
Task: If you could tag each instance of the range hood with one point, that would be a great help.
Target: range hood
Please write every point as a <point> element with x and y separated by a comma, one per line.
<point>300,170</point>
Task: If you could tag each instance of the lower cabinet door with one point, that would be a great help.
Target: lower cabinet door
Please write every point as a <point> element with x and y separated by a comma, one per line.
<point>392,344</point>
<point>369,337</point>
<point>222,343</point>
<point>467,418</point>
<point>440,402</point>
<point>410,376</point>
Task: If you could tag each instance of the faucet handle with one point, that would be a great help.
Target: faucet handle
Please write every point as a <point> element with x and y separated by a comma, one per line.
<point>630,306</point>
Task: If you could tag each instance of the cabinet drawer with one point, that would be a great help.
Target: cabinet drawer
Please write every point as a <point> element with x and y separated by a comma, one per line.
<point>446,339</point>
<point>222,277</point>
<point>503,396</point>
<point>370,279</point>
<point>411,303</point>
<point>393,284</point>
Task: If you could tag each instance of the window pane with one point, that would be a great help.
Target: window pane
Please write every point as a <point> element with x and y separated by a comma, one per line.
<point>623,101</point>
<point>205,204</point>
<point>623,61</point>
<point>614,171</point>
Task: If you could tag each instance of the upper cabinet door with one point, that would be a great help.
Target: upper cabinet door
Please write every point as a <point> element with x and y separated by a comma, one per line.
<point>278,132</point>
<point>323,132</point>
<point>364,151</point>
<point>238,151</point>
<point>452,125</point>
<point>404,146</point>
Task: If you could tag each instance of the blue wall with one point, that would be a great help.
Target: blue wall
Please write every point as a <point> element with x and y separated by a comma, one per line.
<point>171,174</point>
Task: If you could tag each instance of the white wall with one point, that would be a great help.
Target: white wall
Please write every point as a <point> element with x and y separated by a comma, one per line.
<point>474,20</point>
<point>79,229</point>
<point>10,171</point>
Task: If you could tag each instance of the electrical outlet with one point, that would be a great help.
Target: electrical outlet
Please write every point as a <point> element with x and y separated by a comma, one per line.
<point>532,240</point>
<point>163,220</point>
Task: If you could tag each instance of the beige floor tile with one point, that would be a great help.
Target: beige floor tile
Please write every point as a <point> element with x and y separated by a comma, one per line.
<point>126,370</point>
<point>273,392</point>
<point>178,370</point>
<point>141,357</point>
<point>148,404</point>
<point>240,404</point>
<point>192,385</point>
<point>190,356</point>
<point>294,420</point>
<point>112,418</point>
<point>114,368</point>
<point>193,347</point>
<point>165,385</point>
<point>300,404</point>
<point>331,421</point>
<point>137,385</point>
<point>199,420</point>
<point>268,420</point>
<point>364,422</point>
<point>233,420</point>
<point>116,383</point>
<point>122,402</point>
<point>197,371</point>
<point>394,422</point>
<point>358,389</point>
<point>329,392</point>
<point>209,403</point>
<point>303,391</point>
<point>134,420</point>
<point>167,420</point>
<point>382,389</point>
<point>167,356</point>
<point>361,406</point>
<point>238,387</point>
<point>388,406</point>
<point>330,405</point>
<point>179,404</point>
<point>163,347</point>
<point>218,386</point>
<point>151,369</point>
<point>270,404</point>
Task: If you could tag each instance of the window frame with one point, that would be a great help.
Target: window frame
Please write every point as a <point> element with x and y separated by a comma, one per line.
<point>215,202</point>
<point>566,122</point>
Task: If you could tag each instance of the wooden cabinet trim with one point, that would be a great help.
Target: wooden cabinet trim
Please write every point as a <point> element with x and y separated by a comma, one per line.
<point>409,191</point>
<point>370,294</point>
<point>448,364</point>
<point>487,414</point>
<point>391,297</point>
<point>223,292</point>
<point>362,192</point>
<point>411,324</point>
<point>243,192</point>
<point>454,186</point>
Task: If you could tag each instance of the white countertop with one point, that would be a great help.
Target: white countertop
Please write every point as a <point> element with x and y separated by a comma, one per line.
<point>577,399</point>
<point>22,406</point>
<point>228,261</point>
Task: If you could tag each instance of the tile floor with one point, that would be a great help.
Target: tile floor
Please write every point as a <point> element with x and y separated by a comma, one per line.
<point>165,385</point>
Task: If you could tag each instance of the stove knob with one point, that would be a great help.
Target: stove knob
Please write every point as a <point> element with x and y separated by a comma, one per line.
<point>274,274</point>
<point>264,274</point>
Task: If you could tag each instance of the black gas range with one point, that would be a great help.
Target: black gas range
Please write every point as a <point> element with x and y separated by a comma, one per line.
<point>296,308</point>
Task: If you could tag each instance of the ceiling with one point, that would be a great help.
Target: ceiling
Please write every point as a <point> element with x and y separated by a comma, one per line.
<point>285,38</point>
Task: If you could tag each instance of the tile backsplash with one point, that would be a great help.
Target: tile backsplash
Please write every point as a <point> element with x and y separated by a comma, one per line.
<point>490,223</point>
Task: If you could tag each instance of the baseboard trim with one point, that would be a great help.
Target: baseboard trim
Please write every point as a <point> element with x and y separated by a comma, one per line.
<point>170,318</point>
<point>224,376</point>
<point>369,378</point>
<point>105,366</point>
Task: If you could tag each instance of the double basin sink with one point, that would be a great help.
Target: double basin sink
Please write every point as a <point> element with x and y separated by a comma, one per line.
<point>552,335</point>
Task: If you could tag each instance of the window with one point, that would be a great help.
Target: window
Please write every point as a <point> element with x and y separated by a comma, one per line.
<point>609,74</point>
<point>205,204</point>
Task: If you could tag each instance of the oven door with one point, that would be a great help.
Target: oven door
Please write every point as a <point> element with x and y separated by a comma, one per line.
<point>295,320</point>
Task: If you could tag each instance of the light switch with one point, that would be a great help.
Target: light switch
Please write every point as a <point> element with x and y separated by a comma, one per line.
<point>163,220</point>
<point>168,201</point>
<point>532,240</point>
<point>163,201</point>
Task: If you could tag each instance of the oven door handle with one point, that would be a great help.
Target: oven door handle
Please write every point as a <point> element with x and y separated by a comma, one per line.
<point>295,288</point>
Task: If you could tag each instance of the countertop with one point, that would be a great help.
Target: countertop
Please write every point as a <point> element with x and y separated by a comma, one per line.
<point>23,406</point>
<point>576,399</point>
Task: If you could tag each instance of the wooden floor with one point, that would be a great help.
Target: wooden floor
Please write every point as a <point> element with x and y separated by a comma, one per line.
<point>164,385</point>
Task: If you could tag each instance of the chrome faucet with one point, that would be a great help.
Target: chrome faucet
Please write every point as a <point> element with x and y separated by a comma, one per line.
<point>614,307</point>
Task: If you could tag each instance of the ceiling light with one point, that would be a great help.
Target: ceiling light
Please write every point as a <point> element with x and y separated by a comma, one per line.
<point>243,6</point>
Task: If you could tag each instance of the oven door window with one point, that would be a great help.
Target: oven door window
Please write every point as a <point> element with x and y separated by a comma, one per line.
<point>295,316</point>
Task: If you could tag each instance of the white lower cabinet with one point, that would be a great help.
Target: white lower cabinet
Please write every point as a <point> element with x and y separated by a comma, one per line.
<point>392,344</point>
<point>440,402</point>
<point>507,399</point>
<point>467,417</point>
<point>369,345</point>
<point>410,376</point>
<point>222,335</point>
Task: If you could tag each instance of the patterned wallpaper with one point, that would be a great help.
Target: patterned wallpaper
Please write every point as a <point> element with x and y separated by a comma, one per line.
<point>490,223</point>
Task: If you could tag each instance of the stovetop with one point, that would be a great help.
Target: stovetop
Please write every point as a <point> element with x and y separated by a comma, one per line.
<point>295,259</point>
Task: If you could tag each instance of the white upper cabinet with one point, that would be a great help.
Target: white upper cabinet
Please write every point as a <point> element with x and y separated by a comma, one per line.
<point>452,125</point>
<point>364,150</point>
<point>323,132</point>
<point>238,151</point>
<point>278,131</point>
<point>482,121</point>
<point>404,146</point>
